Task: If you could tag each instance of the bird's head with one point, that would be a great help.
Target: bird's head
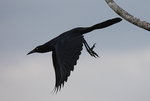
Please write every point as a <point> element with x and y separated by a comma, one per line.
<point>38,49</point>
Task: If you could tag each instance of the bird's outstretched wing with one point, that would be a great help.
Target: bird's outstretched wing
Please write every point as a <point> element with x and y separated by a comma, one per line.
<point>65,56</point>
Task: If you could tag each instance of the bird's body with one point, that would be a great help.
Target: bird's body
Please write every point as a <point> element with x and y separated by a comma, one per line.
<point>66,49</point>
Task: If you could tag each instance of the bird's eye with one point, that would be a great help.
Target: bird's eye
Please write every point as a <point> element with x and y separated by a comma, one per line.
<point>37,48</point>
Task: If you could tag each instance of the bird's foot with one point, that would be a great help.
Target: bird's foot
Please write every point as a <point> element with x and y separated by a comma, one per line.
<point>90,49</point>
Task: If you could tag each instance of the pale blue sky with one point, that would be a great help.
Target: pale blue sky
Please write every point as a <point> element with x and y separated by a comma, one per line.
<point>120,74</point>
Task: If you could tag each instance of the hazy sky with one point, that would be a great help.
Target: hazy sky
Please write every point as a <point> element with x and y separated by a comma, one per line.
<point>122,73</point>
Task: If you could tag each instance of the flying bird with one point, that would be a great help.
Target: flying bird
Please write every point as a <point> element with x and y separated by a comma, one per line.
<point>66,49</point>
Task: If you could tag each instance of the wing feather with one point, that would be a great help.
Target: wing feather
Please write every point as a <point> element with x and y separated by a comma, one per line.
<point>65,56</point>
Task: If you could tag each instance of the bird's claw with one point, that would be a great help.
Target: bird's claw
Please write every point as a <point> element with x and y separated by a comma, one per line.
<point>93,46</point>
<point>91,51</point>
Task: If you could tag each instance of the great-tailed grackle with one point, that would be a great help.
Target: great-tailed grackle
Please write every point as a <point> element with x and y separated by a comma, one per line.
<point>66,49</point>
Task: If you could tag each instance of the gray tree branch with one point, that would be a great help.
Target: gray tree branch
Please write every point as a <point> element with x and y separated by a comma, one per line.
<point>127,16</point>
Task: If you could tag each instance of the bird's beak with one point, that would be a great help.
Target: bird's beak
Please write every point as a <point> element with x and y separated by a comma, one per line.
<point>31,52</point>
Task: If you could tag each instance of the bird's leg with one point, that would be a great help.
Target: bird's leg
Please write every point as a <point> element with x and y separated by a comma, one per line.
<point>90,50</point>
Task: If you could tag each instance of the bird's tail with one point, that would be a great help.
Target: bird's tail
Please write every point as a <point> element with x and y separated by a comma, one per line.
<point>106,23</point>
<point>103,24</point>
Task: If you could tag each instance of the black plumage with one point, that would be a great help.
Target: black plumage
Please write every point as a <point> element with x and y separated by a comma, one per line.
<point>66,49</point>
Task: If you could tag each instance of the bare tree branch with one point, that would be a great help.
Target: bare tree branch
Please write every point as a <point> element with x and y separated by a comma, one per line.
<point>127,16</point>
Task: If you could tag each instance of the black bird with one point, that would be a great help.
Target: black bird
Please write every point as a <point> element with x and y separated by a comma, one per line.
<point>66,49</point>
